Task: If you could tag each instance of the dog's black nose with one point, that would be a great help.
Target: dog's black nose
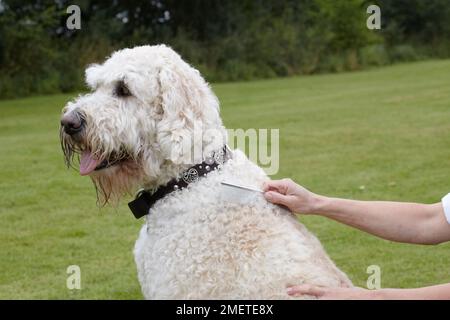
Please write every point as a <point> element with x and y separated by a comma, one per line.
<point>72,123</point>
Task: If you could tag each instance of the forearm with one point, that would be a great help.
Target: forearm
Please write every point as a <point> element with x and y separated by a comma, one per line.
<point>438,292</point>
<point>396,221</point>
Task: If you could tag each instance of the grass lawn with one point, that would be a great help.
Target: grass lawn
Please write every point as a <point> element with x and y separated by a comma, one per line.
<point>379,134</point>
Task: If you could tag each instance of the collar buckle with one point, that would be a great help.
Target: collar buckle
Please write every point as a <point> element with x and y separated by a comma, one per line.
<point>140,206</point>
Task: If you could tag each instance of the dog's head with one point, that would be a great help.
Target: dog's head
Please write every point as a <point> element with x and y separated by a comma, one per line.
<point>147,114</point>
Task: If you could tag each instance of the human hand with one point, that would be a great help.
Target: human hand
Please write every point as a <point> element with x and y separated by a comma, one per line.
<point>291,195</point>
<point>326,293</point>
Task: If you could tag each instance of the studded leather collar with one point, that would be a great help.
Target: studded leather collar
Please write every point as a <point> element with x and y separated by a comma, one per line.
<point>145,199</point>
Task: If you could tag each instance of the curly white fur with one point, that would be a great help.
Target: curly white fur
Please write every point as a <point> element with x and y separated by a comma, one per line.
<point>195,244</point>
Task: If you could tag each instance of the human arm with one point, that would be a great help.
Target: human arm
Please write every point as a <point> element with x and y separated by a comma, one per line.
<point>396,221</point>
<point>437,292</point>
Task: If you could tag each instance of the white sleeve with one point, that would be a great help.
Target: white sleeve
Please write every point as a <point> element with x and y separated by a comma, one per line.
<point>446,205</point>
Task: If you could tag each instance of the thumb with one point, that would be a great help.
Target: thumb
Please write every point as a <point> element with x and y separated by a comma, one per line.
<point>277,198</point>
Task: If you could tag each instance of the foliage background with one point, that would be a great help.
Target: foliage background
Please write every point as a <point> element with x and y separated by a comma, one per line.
<point>227,40</point>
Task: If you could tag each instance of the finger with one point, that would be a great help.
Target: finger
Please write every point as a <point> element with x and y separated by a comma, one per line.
<point>277,198</point>
<point>279,185</point>
<point>306,289</point>
<point>266,186</point>
<point>269,185</point>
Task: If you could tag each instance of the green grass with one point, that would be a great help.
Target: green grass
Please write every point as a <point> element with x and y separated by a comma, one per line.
<point>380,134</point>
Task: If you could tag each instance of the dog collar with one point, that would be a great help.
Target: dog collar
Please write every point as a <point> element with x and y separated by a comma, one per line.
<point>145,199</point>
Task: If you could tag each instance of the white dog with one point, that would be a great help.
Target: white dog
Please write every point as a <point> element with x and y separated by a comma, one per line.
<point>131,132</point>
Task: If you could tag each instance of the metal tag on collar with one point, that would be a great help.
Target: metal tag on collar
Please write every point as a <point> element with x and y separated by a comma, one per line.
<point>140,206</point>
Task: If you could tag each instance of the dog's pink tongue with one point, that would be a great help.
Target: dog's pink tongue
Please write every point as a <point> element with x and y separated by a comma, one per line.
<point>88,163</point>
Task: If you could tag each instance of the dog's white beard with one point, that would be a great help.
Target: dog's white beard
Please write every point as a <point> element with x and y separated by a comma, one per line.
<point>115,182</point>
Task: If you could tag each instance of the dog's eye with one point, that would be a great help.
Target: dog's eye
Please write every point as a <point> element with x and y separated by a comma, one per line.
<point>122,90</point>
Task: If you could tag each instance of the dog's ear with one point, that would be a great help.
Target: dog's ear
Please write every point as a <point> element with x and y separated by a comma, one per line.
<point>188,105</point>
<point>92,75</point>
